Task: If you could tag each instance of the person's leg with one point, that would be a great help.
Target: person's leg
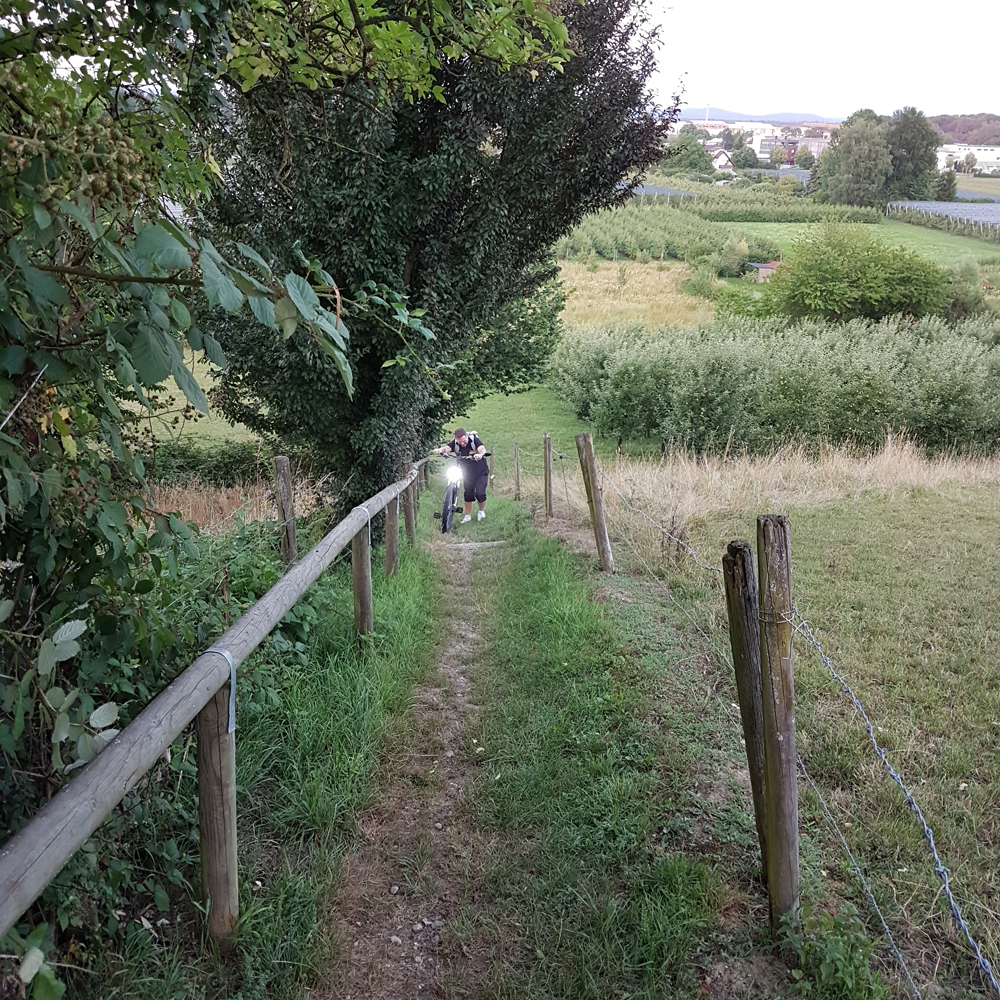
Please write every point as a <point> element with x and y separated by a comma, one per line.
<point>481,495</point>
<point>470,495</point>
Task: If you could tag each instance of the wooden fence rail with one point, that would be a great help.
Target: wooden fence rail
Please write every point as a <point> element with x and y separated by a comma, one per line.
<point>33,858</point>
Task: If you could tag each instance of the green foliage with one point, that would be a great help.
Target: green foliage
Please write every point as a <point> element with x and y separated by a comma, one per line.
<point>685,154</point>
<point>843,272</point>
<point>757,383</point>
<point>450,207</point>
<point>804,158</point>
<point>913,143</point>
<point>945,186</point>
<point>858,163</point>
<point>768,201</point>
<point>834,955</point>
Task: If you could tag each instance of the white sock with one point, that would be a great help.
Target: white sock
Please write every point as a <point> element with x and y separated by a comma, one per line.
<point>481,515</point>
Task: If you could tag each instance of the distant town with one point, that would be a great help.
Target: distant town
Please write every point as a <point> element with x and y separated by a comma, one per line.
<point>721,136</point>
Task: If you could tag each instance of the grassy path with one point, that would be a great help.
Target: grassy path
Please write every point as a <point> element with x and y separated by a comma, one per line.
<point>566,814</point>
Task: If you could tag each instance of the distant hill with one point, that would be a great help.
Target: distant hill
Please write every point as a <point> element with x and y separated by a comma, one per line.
<point>720,114</point>
<point>977,130</point>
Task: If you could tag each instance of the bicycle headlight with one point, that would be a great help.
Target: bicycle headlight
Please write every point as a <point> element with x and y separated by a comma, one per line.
<point>454,474</point>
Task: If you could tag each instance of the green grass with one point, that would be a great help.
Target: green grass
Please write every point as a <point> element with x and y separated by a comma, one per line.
<point>979,185</point>
<point>942,248</point>
<point>306,757</point>
<point>586,897</point>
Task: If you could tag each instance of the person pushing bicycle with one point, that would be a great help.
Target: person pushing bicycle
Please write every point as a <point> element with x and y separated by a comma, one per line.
<point>475,473</point>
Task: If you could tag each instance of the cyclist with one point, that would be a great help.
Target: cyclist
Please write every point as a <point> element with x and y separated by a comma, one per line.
<point>475,474</point>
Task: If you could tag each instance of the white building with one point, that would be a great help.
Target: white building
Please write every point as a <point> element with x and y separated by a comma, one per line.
<point>987,157</point>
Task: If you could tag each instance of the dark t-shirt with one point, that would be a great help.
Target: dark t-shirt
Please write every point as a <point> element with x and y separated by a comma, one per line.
<point>470,470</point>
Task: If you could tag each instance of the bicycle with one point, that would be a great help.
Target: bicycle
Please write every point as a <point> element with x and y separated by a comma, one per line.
<point>453,475</point>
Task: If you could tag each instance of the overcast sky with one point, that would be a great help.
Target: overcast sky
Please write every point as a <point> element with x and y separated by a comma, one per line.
<point>830,59</point>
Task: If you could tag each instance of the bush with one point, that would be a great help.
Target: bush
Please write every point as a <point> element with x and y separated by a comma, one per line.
<point>761,382</point>
<point>842,272</point>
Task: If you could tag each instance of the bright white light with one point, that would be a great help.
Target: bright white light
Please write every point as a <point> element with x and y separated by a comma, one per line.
<point>454,474</point>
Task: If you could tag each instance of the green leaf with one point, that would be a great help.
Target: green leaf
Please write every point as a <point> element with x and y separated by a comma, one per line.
<point>161,898</point>
<point>46,986</point>
<point>70,630</point>
<point>341,362</point>
<point>286,316</point>
<point>13,358</point>
<point>220,290</point>
<point>164,250</point>
<point>102,717</point>
<point>33,960</point>
<point>303,295</point>
<point>6,607</point>
<point>151,358</point>
<point>66,650</point>
<point>61,728</point>
<point>252,254</point>
<point>263,309</point>
<point>46,661</point>
<point>42,217</point>
<point>180,313</point>
<point>214,351</point>
<point>189,386</point>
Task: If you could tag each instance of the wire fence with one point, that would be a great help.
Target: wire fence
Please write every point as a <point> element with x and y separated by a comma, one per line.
<point>805,630</point>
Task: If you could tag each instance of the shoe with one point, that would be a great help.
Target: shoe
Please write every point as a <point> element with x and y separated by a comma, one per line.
<point>466,519</point>
<point>481,515</point>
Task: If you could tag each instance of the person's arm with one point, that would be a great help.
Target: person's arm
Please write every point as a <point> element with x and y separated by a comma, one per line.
<point>445,449</point>
<point>480,451</point>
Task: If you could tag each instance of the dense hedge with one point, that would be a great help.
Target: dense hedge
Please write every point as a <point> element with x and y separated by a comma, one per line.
<point>760,382</point>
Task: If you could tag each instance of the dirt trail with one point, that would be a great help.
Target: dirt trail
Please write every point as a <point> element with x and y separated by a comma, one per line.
<point>417,846</point>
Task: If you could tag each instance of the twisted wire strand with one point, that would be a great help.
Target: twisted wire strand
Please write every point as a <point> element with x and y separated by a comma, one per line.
<point>861,878</point>
<point>804,627</point>
<point>883,755</point>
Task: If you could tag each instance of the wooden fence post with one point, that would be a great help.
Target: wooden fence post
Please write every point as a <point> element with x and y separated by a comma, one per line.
<point>774,566</point>
<point>286,509</point>
<point>410,512</point>
<point>217,815</point>
<point>517,472</point>
<point>597,505</point>
<point>392,537</point>
<point>547,452</point>
<point>581,450</point>
<point>361,575</point>
<point>744,636</point>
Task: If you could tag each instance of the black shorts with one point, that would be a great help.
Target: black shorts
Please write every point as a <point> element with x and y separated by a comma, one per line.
<point>475,489</point>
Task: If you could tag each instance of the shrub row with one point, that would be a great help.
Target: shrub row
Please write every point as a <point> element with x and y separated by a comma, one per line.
<point>645,232</point>
<point>757,383</point>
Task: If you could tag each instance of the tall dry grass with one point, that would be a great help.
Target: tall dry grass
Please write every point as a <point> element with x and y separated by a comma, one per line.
<point>681,488</point>
<point>214,508</point>
<point>627,292</point>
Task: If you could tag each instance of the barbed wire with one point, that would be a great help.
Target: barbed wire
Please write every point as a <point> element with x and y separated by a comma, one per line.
<point>804,628</point>
<point>861,878</point>
<point>883,755</point>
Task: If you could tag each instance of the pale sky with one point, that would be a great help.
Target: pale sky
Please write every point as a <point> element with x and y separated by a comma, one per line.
<point>830,59</point>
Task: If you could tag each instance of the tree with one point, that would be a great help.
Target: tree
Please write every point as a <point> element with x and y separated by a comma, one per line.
<point>743,156</point>
<point>945,186</point>
<point>969,163</point>
<point>778,156</point>
<point>728,138</point>
<point>685,154</point>
<point>913,143</point>
<point>804,158</point>
<point>455,205</point>
<point>857,164</point>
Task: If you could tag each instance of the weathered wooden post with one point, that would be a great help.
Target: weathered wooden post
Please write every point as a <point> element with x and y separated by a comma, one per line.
<point>286,509</point>
<point>410,512</point>
<point>517,472</point>
<point>361,575</point>
<point>217,815</point>
<point>596,496</point>
<point>581,450</point>
<point>744,636</point>
<point>392,537</point>
<point>547,476</point>
<point>774,565</point>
